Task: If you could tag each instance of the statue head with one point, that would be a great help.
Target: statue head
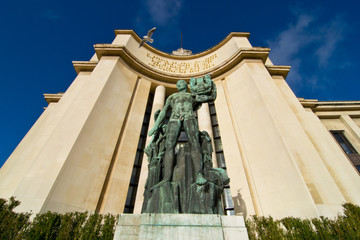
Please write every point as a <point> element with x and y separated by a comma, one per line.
<point>181,85</point>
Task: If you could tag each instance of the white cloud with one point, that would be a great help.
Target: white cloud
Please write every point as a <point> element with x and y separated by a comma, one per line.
<point>162,11</point>
<point>286,46</point>
<point>289,42</point>
<point>308,41</point>
<point>332,35</point>
<point>163,14</point>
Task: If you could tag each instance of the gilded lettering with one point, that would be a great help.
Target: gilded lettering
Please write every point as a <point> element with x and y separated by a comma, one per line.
<point>181,66</point>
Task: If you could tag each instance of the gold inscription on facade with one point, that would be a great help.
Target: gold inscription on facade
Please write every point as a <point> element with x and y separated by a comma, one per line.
<point>182,67</point>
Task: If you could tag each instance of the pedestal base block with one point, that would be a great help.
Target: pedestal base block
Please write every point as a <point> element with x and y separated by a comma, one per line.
<point>180,226</point>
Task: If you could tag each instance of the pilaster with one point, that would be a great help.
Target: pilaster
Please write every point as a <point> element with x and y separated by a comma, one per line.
<point>334,159</point>
<point>69,172</point>
<point>243,191</point>
<point>269,133</point>
<point>204,121</point>
<point>25,155</point>
<point>352,126</point>
<point>119,175</point>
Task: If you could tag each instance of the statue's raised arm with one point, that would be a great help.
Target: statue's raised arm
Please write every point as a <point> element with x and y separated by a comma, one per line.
<point>203,89</point>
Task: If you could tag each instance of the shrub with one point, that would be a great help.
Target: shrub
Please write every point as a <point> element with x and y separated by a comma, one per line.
<point>12,225</point>
<point>88,226</point>
<point>344,226</point>
<point>53,225</point>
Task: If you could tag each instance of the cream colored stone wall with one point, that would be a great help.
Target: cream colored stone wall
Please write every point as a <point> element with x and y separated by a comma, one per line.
<point>353,129</point>
<point>102,106</point>
<point>339,124</point>
<point>25,155</point>
<point>244,195</point>
<point>334,160</point>
<point>357,121</point>
<point>70,169</point>
<point>119,177</point>
<point>264,121</point>
<point>204,122</point>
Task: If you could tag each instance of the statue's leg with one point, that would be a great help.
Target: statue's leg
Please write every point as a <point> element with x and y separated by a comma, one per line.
<point>192,131</point>
<point>172,135</point>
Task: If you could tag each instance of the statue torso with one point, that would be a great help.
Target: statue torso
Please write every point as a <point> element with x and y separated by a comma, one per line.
<point>182,106</point>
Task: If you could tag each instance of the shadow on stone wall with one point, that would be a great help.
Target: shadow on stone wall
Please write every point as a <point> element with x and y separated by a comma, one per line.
<point>239,205</point>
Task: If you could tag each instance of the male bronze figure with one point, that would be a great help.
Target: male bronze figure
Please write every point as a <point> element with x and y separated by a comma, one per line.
<point>193,185</point>
<point>183,105</point>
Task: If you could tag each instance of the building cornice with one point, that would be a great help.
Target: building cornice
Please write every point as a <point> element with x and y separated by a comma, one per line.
<point>52,97</point>
<point>332,109</point>
<point>138,65</point>
<point>227,55</point>
<point>276,70</point>
<point>84,66</point>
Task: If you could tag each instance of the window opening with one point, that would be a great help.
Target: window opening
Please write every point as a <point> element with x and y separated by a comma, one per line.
<point>135,175</point>
<point>226,196</point>
<point>347,147</point>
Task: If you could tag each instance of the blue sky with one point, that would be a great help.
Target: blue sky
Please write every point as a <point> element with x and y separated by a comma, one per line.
<point>39,39</point>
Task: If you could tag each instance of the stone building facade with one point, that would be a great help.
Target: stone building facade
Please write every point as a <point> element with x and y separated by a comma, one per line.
<point>285,156</point>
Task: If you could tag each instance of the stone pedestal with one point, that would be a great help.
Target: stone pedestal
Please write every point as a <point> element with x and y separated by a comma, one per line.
<point>180,226</point>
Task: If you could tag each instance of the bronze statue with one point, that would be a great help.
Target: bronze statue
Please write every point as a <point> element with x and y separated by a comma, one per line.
<point>185,182</point>
<point>183,105</point>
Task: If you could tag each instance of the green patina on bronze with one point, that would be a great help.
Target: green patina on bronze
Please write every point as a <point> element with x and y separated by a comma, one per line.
<point>185,182</point>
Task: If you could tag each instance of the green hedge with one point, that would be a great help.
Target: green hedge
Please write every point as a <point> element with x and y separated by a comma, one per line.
<point>344,226</point>
<point>86,226</point>
<point>50,225</point>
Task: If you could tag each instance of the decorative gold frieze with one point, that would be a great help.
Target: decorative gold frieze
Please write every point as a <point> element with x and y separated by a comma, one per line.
<point>194,66</point>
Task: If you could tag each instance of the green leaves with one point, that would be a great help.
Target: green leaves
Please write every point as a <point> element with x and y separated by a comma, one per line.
<point>87,226</point>
<point>12,225</point>
<point>50,225</point>
<point>344,226</point>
